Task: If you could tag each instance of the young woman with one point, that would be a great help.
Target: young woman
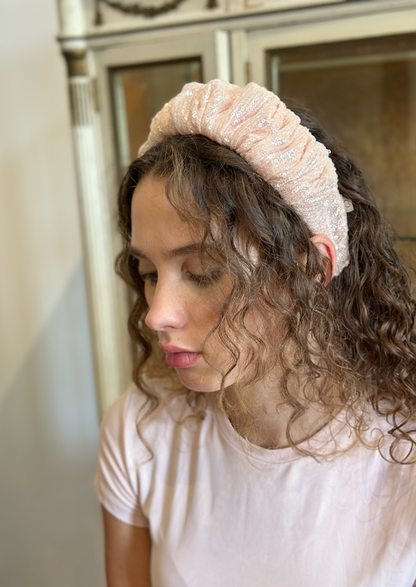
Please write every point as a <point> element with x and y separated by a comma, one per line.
<point>268,438</point>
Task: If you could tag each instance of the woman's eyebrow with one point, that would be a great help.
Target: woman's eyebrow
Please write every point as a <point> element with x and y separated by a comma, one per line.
<point>179,252</point>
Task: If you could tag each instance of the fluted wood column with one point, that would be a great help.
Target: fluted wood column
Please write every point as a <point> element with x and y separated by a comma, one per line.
<point>109,342</point>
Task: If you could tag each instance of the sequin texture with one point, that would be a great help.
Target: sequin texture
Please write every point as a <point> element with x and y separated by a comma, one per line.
<point>257,124</point>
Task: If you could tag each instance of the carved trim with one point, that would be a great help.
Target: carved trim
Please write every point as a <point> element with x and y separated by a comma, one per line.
<point>80,100</point>
<point>106,317</point>
<point>98,20</point>
<point>76,62</point>
<point>142,9</point>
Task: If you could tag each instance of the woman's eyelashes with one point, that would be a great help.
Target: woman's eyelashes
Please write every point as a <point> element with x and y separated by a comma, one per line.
<point>201,280</point>
<point>150,277</point>
<point>207,278</point>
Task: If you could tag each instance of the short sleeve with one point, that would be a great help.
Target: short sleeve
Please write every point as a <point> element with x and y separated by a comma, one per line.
<point>117,480</point>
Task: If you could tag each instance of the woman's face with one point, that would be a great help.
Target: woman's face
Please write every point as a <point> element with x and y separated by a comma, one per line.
<point>185,296</point>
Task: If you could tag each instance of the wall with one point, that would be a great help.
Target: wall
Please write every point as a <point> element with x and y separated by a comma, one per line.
<point>50,524</point>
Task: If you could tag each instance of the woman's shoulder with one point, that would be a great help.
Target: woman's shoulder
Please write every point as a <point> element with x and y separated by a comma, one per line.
<point>134,399</point>
<point>135,411</point>
<point>123,450</point>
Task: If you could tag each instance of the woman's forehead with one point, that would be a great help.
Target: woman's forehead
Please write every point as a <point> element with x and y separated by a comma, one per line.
<point>154,221</point>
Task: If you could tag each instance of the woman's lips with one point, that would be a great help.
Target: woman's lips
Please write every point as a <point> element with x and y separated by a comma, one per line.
<point>179,358</point>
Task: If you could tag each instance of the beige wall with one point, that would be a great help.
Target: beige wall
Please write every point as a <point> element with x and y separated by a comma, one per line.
<point>50,526</point>
<point>39,231</point>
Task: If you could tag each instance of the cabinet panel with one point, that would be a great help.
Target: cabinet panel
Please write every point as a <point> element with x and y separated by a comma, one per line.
<point>139,92</point>
<point>362,87</point>
<point>364,92</point>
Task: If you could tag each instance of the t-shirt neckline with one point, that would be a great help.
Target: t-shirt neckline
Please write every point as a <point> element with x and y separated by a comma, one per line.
<point>324,442</point>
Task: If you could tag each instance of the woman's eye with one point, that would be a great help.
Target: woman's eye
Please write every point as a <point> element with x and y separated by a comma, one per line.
<point>206,279</point>
<point>150,277</point>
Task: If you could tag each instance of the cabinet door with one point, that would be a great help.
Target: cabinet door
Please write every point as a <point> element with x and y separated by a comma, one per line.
<point>363,90</point>
<point>138,78</point>
<point>139,91</point>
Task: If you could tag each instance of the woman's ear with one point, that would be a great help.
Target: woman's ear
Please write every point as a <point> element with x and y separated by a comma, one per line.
<point>327,249</point>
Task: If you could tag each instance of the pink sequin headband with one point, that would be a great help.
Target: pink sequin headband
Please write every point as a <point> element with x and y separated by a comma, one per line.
<point>260,128</point>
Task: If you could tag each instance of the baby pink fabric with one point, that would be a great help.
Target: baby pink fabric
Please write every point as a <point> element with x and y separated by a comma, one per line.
<point>257,124</point>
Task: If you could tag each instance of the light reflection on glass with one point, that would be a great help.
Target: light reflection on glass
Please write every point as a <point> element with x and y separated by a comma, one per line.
<point>364,93</point>
<point>139,92</point>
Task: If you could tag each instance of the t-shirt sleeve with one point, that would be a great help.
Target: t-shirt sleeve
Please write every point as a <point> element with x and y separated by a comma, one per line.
<point>117,479</point>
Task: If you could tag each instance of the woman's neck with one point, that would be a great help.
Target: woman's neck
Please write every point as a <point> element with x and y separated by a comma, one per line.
<point>266,424</point>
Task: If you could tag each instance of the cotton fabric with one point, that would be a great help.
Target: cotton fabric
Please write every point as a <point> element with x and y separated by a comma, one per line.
<point>223,512</point>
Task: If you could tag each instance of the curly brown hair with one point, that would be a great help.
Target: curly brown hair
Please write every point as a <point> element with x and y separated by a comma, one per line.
<point>355,335</point>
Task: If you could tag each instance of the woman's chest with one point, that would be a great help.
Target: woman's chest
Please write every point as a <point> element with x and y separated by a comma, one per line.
<point>217,519</point>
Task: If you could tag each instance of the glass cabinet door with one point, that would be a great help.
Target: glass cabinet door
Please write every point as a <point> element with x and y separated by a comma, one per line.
<point>137,77</point>
<point>364,92</point>
<point>139,92</point>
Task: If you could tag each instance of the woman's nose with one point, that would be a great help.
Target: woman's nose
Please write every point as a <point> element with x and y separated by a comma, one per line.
<point>166,311</point>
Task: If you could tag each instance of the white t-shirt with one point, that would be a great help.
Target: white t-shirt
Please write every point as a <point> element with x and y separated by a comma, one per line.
<point>219,516</point>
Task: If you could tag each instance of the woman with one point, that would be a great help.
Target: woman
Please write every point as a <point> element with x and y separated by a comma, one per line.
<point>266,436</point>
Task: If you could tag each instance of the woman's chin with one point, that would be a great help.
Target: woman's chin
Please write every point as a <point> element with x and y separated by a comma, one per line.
<point>202,384</point>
